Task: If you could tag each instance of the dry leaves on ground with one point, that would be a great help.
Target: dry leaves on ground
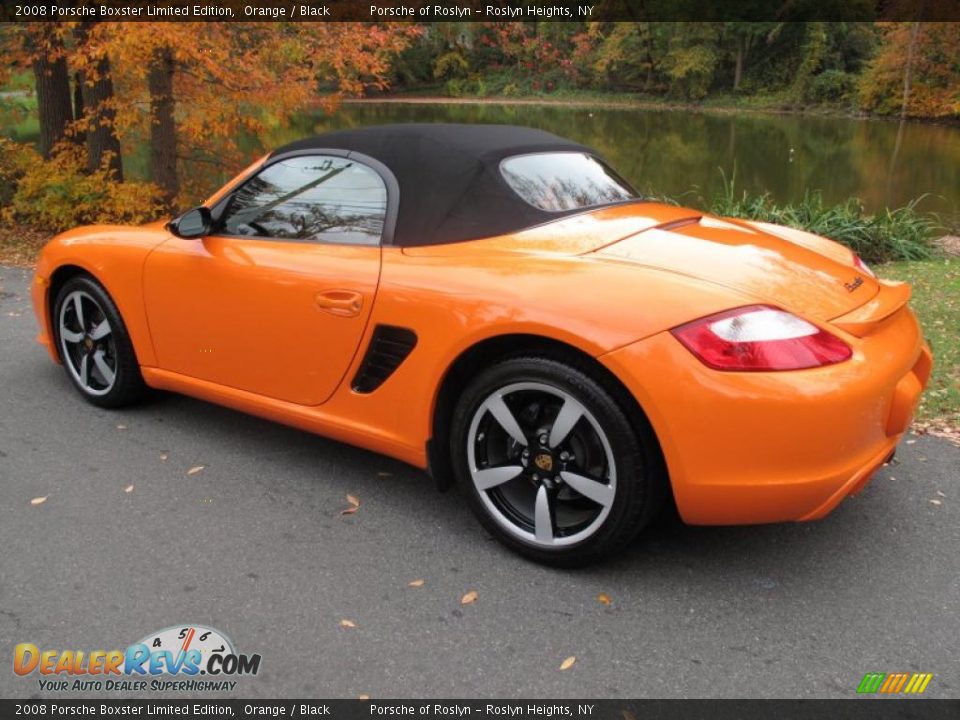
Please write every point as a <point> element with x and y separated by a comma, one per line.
<point>347,623</point>
<point>195,469</point>
<point>128,489</point>
<point>416,583</point>
<point>604,599</point>
<point>938,429</point>
<point>568,663</point>
<point>470,598</point>
<point>39,500</point>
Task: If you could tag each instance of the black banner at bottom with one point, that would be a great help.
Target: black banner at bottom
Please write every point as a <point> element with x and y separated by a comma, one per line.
<point>368,709</point>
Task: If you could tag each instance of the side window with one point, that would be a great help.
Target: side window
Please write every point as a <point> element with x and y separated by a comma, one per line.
<point>312,198</point>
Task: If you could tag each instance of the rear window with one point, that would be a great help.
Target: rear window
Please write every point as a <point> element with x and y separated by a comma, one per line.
<point>564,181</point>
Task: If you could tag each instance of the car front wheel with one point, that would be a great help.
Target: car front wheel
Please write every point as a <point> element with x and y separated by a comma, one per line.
<point>551,463</point>
<point>94,346</point>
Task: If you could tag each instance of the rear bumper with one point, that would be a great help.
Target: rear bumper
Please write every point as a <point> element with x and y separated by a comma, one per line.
<point>747,448</point>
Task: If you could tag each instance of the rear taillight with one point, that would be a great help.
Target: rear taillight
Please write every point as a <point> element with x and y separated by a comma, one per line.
<point>760,338</point>
<point>862,266</point>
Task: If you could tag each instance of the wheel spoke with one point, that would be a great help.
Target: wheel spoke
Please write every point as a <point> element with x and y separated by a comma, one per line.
<point>105,371</point>
<point>101,330</point>
<point>569,415</point>
<point>498,408</point>
<point>543,515</point>
<point>85,370</point>
<point>492,477</point>
<point>78,310</point>
<point>70,336</point>
<point>588,487</point>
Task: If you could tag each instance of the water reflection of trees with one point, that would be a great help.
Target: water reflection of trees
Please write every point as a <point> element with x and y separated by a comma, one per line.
<point>679,152</point>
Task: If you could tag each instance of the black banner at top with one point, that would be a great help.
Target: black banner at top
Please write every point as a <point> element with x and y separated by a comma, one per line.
<point>478,10</point>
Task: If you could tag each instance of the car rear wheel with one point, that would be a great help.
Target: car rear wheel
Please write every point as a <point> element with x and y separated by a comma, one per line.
<point>94,345</point>
<point>551,463</point>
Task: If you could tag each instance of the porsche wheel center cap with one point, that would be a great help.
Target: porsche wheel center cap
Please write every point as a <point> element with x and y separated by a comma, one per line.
<point>544,461</point>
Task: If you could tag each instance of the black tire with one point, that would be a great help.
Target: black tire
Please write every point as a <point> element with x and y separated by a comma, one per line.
<point>127,386</point>
<point>638,472</point>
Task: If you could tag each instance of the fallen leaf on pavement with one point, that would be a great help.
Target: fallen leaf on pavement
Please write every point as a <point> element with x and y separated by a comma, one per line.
<point>121,427</point>
<point>604,599</point>
<point>347,623</point>
<point>354,506</point>
<point>195,469</point>
<point>163,456</point>
<point>940,494</point>
<point>568,663</point>
<point>363,697</point>
<point>39,500</point>
<point>936,502</point>
<point>416,583</point>
<point>128,489</point>
<point>470,597</point>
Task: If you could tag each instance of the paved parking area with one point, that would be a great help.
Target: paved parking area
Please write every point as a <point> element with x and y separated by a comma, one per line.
<point>254,544</point>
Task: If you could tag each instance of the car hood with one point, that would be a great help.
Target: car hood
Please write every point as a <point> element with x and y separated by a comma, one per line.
<point>783,267</point>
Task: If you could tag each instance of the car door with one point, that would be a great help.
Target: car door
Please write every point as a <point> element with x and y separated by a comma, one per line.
<point>275,299</point>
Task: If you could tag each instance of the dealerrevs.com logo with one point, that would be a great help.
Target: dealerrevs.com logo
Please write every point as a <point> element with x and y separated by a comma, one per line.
<point>185,658</point>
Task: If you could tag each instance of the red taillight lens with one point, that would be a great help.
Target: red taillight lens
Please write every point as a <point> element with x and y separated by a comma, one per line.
<point>760,338</point>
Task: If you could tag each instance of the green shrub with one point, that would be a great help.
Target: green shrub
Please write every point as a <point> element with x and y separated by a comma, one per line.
<point>893,234</point>
<point>59,193</point>
<point>831,86</point>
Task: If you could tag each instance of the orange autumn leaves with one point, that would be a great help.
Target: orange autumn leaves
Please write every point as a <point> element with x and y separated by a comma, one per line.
<point>230,80</point>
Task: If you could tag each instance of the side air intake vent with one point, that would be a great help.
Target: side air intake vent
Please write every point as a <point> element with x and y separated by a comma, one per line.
<point>388,347</point>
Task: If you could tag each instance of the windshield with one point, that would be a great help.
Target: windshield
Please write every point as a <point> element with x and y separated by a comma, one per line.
<point>564,181</point>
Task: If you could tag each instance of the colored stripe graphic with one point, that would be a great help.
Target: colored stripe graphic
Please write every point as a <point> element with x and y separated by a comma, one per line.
<point>894,683</point>
<point>871,682</point>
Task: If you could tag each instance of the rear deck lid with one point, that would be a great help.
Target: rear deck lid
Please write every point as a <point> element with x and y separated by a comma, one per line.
<point>747,259</point>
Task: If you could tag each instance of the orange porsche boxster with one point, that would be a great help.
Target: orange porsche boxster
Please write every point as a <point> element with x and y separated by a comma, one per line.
<point>495,304</point>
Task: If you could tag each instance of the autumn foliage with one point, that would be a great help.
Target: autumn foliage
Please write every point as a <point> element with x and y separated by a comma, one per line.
<point>934,80</point>
<point>193,91</point>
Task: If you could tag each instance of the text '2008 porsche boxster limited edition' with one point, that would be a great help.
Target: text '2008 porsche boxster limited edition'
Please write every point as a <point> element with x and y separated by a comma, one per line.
<point>496,304</point>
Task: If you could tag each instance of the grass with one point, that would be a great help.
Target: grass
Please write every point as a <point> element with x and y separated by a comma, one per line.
<point>893,234</point>
<point>936,300</point>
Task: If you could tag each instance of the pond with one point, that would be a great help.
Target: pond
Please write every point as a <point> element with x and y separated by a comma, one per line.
<point>685,154</point>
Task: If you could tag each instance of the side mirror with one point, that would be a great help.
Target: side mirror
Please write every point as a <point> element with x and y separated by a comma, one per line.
<point>193,223</point>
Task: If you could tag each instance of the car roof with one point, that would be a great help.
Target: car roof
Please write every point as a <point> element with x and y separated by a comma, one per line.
<point>448,178</point>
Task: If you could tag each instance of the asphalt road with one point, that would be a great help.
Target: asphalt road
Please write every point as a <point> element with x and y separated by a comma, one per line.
<point>254,544</point>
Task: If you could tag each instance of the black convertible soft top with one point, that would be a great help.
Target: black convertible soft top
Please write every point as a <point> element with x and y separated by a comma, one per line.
<point>450,185</point>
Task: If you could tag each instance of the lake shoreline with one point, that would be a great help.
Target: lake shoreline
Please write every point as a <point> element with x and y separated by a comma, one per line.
<point>633,103</point>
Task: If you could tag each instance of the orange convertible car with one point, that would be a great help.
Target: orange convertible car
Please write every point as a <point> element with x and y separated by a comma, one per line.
<point>497,305</point>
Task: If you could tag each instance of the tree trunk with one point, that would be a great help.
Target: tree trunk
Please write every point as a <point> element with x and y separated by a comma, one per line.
<point>99,113</point>
<point>163,128</point>
<point>78,112</point>
<point>908,69</point>
<point>738,69</point>
<point>53,90</point>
